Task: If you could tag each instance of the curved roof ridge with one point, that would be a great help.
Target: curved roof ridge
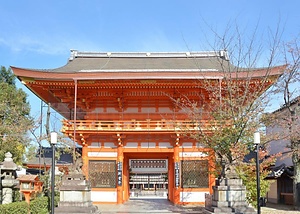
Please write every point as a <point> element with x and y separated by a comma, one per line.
<point>203,54</point>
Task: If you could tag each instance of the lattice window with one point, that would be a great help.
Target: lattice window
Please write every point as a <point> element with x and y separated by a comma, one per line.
<point>102,174</point>
<point>194,174</point>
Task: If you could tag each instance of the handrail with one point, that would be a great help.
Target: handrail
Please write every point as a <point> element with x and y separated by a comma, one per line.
<point>132,125</point>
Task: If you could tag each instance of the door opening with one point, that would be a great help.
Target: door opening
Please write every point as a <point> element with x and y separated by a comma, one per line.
<point>148,178</point>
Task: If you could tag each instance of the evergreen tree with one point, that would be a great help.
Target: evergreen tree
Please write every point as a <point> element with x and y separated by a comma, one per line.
<point>7,76</point>
<point>15,120</point>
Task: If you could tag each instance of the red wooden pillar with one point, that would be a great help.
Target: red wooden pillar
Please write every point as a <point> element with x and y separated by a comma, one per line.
<point>125,179</point>
<point>27,196</point>
<point>171,183</point>
<point>176,191</point>
<point>120,174</point>
<point>85,163</point>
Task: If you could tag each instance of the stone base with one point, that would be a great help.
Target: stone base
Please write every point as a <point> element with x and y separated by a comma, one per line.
<point>228,210</point>
<point>219,210</point>
<point>76,210</point>
<point>245,210</point>
<point>75,204</point>
<point>229,196</point>
<point>75,196</point>
<point>229,204</point>
<point>229,182</point>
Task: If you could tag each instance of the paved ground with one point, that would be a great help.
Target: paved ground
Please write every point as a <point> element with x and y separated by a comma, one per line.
<point>148,206</point>
<point>156,205</point>
<point>278,209</point>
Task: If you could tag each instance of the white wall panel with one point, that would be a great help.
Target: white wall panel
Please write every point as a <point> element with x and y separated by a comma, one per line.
<point>192,154</point>
<point>192,196</point>
<point>102,154</point>
<point>102,196</point>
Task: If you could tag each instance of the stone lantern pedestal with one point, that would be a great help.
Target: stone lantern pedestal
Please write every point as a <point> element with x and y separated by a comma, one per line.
<point>8,178</point>
<point>229,196</point>
<point>75,195</point>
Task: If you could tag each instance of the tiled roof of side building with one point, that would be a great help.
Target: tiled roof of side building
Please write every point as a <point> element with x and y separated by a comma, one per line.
<point>293,102</point>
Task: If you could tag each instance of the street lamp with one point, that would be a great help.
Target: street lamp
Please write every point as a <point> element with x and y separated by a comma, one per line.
<point>257,142</point>
<point>53,140</point>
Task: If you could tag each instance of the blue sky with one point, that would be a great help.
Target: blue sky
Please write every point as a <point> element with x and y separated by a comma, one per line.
<point>40,34</point>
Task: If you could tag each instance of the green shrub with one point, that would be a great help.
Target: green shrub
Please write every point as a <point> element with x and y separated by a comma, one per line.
<point>16,195</point>
<point>15,208</point>
<point>56,198</point>
<point>39,205</point>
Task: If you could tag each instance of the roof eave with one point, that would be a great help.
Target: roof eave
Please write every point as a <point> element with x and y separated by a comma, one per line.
<point>23,74</point>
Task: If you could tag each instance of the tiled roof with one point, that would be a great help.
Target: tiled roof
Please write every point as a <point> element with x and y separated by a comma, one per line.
<point>279,170</point>
<point>37,161</point>
<point>148,62</point>
<point>27,177</point>
<point>294,101</point>
<point>145,66</point>
<point>46,157</point>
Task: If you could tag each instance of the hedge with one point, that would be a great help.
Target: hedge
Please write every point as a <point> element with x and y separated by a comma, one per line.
<point>37,206</point>
<point>15,208</point>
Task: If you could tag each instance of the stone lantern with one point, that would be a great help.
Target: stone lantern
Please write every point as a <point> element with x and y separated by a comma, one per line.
<point>8,178</point>
<point>30,185</point>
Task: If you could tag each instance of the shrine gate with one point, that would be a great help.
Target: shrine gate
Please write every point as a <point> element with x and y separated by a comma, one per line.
<point>121,108</point>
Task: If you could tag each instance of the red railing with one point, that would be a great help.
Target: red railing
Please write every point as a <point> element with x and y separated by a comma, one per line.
<point>132,125</point>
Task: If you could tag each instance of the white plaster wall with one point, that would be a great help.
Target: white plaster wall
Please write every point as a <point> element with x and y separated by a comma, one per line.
<point>192,154</point>
<point>131,145</point>
<point>102,196</point>
<point>192,196</point>
<point>165,145</point>
<point>187,145</point>
<point>200,145</point>
<point>279,146</point>
<point>95,145</point>
<point>148,145</point>
<point>102,154</point>
<point>272,194</point>
<point>109,145</point>
<point>277,130</point>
